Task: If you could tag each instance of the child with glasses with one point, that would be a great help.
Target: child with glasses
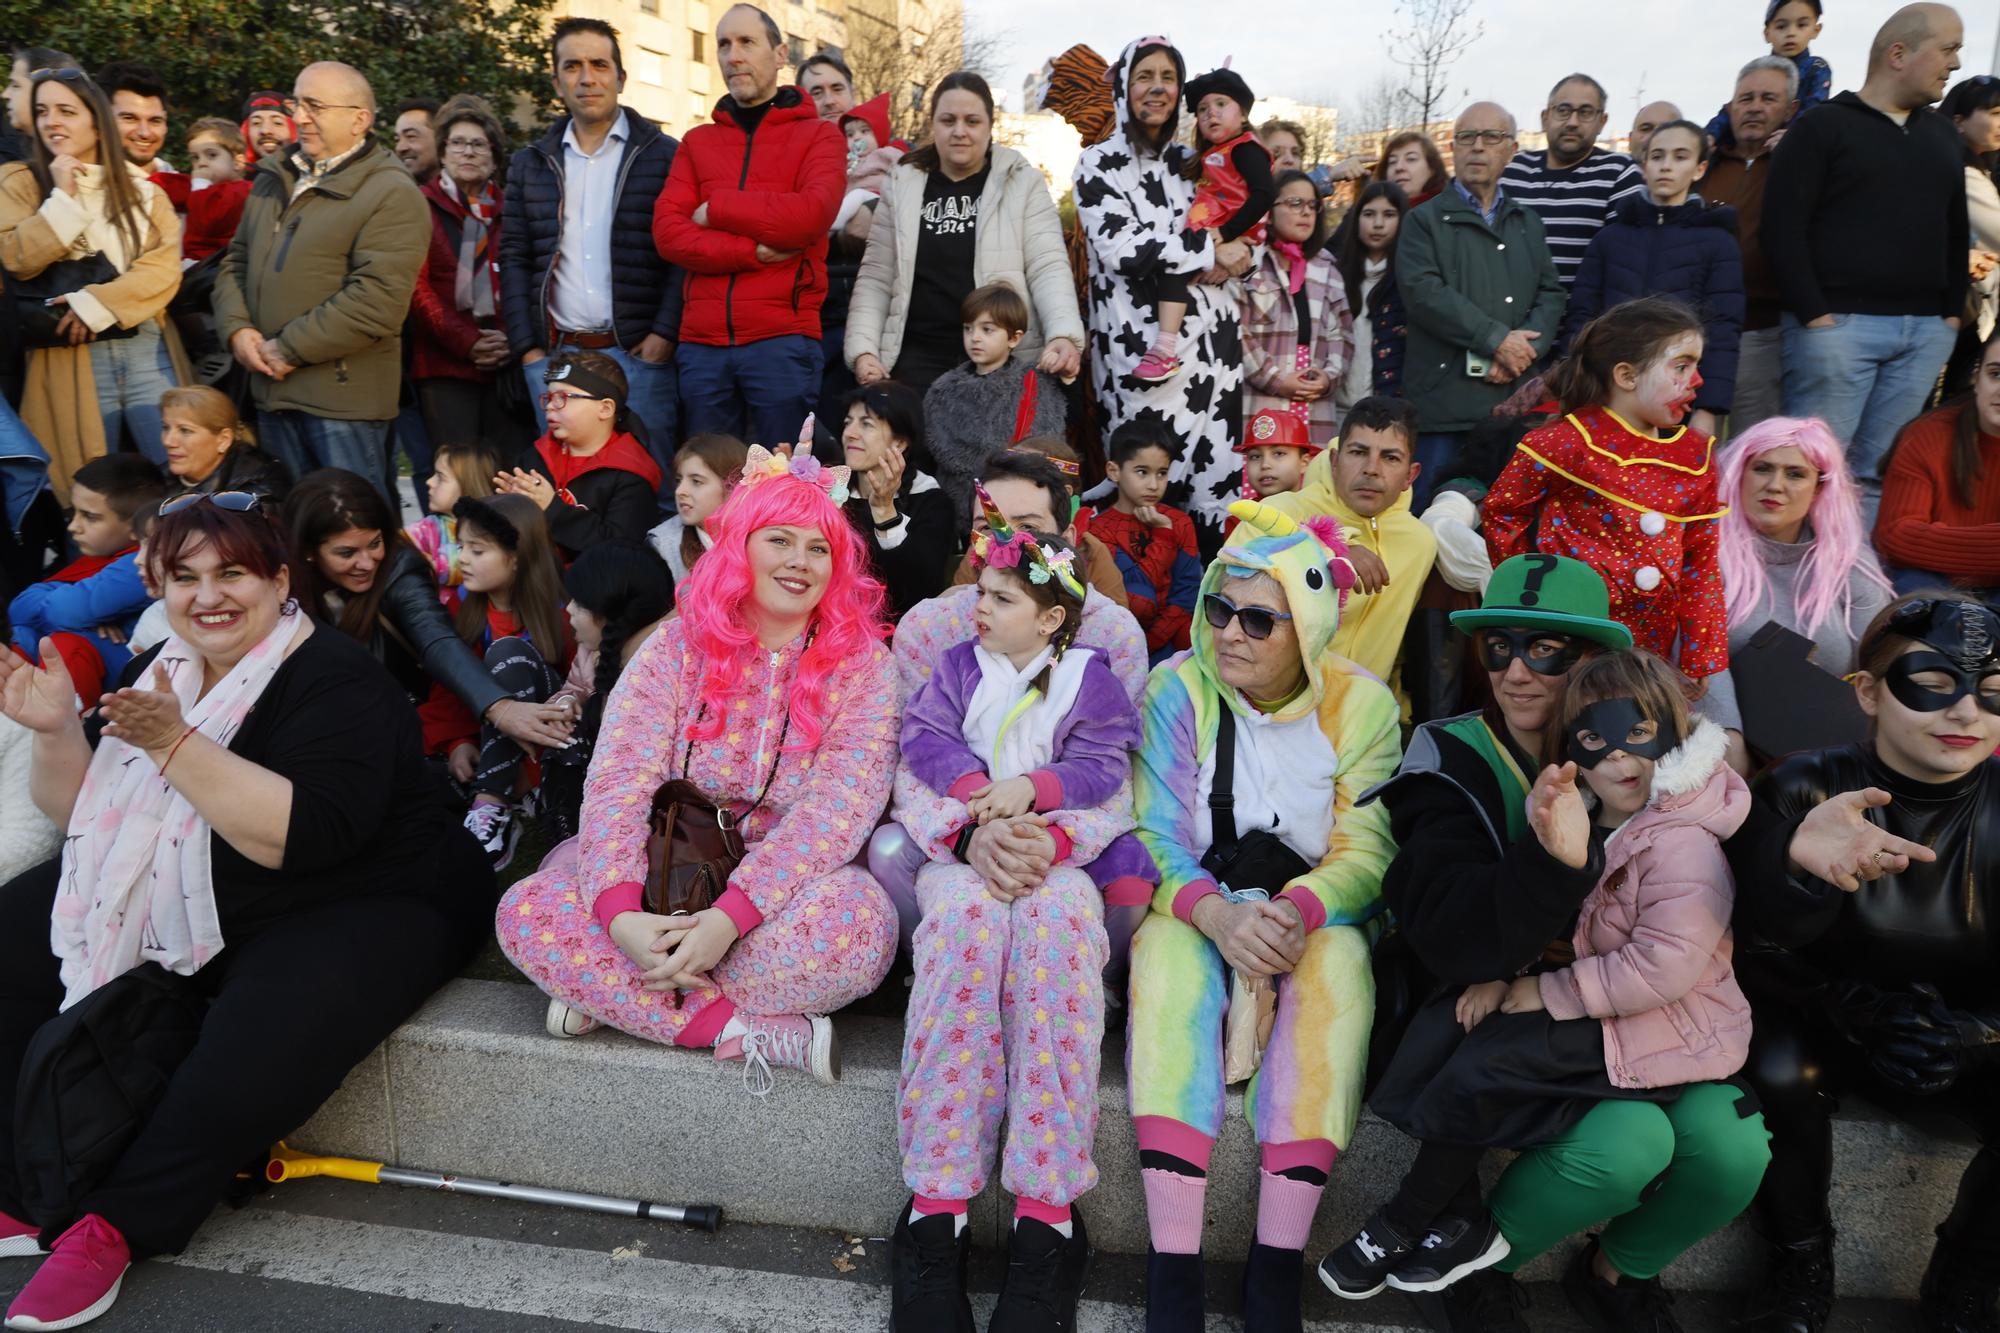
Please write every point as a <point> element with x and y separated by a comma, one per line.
<point>591,474</point>
<point>1298,331</point>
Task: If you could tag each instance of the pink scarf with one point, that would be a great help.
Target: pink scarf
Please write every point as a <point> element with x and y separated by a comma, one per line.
<point>136,880</point>
<point>1296,255</point>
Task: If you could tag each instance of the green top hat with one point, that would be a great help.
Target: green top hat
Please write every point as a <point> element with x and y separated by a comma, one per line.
<point>1550,592</point>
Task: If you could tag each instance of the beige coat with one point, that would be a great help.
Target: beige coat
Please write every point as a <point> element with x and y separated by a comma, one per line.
<point>1018,241</point>
<point>59,401</point>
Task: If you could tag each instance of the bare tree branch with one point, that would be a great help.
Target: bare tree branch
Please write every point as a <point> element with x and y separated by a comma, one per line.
<point>1431,37</point>
<point>908,63</point>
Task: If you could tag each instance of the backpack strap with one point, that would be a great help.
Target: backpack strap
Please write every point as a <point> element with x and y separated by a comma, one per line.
<point>1222,788</point>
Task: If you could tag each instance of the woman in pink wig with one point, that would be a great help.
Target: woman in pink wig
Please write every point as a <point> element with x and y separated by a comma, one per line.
<point>773,693</point>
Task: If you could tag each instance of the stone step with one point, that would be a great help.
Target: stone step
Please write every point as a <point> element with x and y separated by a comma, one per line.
<point>473,1085</point>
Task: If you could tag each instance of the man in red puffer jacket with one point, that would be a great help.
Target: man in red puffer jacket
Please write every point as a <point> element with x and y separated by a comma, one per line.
<point>745,212</point>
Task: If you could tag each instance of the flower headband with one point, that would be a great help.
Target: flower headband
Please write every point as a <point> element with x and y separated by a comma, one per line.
<point>762,464</point>
<point>1003,548</point>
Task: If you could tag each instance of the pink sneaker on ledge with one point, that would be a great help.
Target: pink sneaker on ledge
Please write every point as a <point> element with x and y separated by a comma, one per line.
<point>77,1282</point>
<point>19,1239</point>
<point>764,1042</point>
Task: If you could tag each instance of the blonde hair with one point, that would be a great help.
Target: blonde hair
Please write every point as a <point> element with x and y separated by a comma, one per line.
<point>224,132</point>
<point>212,410</point>
<point>472,464</point>
<point>1625,673</point>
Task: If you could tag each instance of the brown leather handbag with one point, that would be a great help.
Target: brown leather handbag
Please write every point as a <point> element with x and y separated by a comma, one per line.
<point>695,845</point>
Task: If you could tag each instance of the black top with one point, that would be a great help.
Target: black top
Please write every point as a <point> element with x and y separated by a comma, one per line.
<point>1864,216</point>
<point>611,502</point>
<point>246,468</point>
<point>919,566</point>
<point>1252,162</point>
<point>369,816</point>
<point>1933,922</point>
<point>933,336</point>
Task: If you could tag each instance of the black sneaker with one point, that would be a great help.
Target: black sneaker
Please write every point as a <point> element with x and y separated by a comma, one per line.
<point>1271,1289</point>
<point>1360,1267</point>
<point>1454,1247</point>
<point>1045,1271</point>
<point>1486,1302</point>
<point>1957,1295</point>
<point>1174,1293</point>
<point>1632,1305</point>
<point>927,1275</point>
<point>1797,1296</point>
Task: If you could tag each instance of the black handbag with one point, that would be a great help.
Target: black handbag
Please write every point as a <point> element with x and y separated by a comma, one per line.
<point>1258,859</point>
<point>91,1079</point>
<point>35,320</point>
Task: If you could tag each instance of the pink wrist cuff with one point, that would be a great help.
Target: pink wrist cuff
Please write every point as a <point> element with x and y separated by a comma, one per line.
<point>1048,790</point>
<point>1064,844</point>
<point>1190,894</point>
<point>1312,912</point>
<point>627,897</point>
<point>736,905</point>
<point>962,789</point>
<point>1559,997</point>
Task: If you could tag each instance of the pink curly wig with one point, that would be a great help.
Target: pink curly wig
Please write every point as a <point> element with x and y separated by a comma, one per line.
<point>717,603</point>
<point>1839,544</point>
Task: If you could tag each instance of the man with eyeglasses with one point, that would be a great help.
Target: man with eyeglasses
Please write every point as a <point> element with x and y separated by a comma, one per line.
<point>313,291</point>
<point>1480,291</point>
<point>1573,184</point>
<point>1865,227</point>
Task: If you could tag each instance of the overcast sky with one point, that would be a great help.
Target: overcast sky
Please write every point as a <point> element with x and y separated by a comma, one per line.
<point>1685,51</point>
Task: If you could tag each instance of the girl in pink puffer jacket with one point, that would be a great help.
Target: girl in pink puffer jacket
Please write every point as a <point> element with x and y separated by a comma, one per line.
<point>1638,1003</point>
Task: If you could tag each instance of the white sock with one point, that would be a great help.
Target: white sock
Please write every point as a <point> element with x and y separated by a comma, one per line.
<point>1067,1230</point>
<point>957,1220</point>
<point>732,1029</point>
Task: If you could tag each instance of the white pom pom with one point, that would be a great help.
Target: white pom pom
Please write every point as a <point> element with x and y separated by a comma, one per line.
<point>1652,524</point>
<point>1647,577</point>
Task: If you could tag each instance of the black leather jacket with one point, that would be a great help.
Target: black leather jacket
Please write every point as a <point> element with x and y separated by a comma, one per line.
<point>1932,923</point>
<point>418,644</point>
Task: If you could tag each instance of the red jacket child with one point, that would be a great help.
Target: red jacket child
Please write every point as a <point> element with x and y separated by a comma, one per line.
<point>779,187</point>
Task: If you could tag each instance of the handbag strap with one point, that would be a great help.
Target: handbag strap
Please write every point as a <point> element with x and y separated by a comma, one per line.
<point>1222,787</point>
<point>777,757</point>
<point>1024,411</point>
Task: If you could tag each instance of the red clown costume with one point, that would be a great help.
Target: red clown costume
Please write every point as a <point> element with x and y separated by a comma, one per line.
<point>1639,509</point>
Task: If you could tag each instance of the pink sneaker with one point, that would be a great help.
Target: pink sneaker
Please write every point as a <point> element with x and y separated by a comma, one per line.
<point>804,1042</point>
<point>77,1282</point>
<point>19,1239</point>
<point>1153,368</point>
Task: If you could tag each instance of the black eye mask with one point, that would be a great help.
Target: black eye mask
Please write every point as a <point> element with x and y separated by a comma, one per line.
<point>1964,639</point>
<point>1919,699</point>
<point>1498,656</point>
<point>1612,722</point>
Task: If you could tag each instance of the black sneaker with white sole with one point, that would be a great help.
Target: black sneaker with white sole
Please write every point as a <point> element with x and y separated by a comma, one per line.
<point>1454,1247</point>
<point>496,829</point>
<point>1045,1272</point>
<point>1360,1267</point>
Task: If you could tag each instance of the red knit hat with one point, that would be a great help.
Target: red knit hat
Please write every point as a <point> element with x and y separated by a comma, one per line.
<point>1287,429</point>
<point>875,114</point>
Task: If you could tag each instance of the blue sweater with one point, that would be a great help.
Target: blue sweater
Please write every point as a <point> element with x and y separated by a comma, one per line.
<point>1689,252</point>
<point>114,595</point>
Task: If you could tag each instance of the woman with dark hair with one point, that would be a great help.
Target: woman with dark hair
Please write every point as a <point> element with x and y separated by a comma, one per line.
<point>1298,329</point>
<point>1870,962</point>
<point>958,213</point>
<point>238,836</point>
<point>897,508</point>
<point>84,231</point>
<point>358,574</point>
<point>460,348</point>
<point>1364,247</point>
<point>1411,162</point>
<point>1132,207</point>
<point>1941,490</point>
<point>1974,107</point>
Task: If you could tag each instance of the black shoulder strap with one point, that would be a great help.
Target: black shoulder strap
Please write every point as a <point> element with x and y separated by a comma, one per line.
<point>1222,787</point>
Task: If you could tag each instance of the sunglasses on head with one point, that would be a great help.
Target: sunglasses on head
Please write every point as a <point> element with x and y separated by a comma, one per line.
<point>237,502</point>
<point>1257,621</point>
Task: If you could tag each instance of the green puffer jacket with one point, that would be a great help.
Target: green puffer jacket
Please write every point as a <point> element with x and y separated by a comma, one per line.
<point>1465,287</point>
<point>329,275</point>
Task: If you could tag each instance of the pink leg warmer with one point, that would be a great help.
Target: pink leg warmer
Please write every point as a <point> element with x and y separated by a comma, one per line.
<point>1173,1209</point>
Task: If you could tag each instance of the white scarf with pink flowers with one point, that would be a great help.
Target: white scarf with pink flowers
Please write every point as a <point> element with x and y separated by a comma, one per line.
<point>136,882</point>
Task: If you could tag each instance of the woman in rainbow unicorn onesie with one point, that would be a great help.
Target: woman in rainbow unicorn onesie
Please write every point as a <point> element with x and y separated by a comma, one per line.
<point>1285,885</point>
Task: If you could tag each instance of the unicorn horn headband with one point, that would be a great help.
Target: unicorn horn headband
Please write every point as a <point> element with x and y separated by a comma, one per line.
<point>1004,548</point>
<point>762,464</point>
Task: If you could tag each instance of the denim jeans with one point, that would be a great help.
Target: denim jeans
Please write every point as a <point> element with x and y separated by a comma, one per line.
<point>1760,379</point>
<point>305,443</point>
<point>1437,453</point>
<point>655,400</point>
<point>759,392</point>
<point>131,374</point>
<point>1867,376</point>
<point>410,435</point>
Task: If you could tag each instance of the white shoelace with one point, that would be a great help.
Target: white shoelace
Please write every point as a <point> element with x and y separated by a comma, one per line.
<point>483,819</point>
<point>760,1046</point>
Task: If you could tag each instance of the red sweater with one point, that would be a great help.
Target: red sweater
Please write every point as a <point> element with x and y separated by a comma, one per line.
<point>1922,523</point>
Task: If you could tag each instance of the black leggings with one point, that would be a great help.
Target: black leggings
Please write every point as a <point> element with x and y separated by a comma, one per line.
<point>294,1007</point>
<point>1442,1181</point>
<point>517,667</point>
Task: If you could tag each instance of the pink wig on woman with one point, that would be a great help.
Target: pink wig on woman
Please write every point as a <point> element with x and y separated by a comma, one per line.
<point>1840,544</point>
<point>718,602</point>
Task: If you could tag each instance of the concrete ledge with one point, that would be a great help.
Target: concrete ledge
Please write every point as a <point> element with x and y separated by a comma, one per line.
<point>472,1084</point>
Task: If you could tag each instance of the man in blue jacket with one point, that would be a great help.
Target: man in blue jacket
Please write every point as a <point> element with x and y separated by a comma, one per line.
<point>578,271</point>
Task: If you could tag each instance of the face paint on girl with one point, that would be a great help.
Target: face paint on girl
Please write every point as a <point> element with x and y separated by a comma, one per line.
<point>1667,384</point>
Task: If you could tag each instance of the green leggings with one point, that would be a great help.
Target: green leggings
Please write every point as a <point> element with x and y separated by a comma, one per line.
<point>1711,1157</point>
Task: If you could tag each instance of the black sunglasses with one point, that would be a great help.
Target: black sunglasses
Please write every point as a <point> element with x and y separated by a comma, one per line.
<point>66,73</point>
<point>237,502</point>
<point>1258,621</point>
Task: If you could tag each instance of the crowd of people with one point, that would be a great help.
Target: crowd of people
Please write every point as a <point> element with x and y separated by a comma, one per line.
<point>1505,637</point>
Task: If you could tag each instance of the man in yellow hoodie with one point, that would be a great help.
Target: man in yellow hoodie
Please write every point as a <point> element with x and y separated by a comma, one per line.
<point>1363,482</point>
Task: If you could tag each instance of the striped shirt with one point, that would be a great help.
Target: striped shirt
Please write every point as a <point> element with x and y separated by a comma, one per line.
<point>1574,203</point>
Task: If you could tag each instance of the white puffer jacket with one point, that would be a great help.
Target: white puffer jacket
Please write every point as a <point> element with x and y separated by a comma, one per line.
<point>27,837</point>
<point>1018,241</point>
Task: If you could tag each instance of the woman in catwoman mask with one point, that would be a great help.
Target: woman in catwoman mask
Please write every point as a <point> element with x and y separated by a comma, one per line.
<point>1878,976</point>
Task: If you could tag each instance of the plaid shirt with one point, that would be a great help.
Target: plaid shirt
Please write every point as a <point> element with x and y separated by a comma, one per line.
<point>1271,335</point>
